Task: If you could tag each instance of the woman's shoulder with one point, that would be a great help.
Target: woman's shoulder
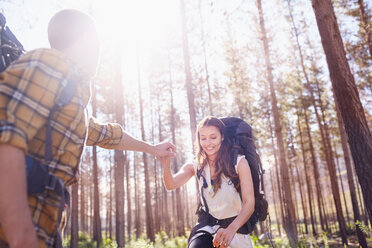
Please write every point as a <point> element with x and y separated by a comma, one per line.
<point>241,160</point>
<point>193,164</point>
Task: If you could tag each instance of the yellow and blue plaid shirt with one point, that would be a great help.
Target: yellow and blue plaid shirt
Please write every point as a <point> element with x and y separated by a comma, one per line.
<point>28,91</point>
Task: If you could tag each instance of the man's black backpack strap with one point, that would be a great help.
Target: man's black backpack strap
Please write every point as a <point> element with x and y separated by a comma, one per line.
<point>39,178</point>
<point>10,48</point>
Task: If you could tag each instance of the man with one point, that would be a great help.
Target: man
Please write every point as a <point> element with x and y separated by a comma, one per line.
<point>28,91</point>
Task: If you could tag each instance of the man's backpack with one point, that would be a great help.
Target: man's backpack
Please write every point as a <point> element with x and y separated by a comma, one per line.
<point>240,135</point>
<point>10,48</point>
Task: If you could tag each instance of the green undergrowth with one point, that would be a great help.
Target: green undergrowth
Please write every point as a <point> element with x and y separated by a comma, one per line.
<point>322,240</point>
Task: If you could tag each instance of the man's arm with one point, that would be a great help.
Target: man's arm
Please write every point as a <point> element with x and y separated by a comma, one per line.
<point>128,142</point>
<point>15,216</point>
<point>112,136</point>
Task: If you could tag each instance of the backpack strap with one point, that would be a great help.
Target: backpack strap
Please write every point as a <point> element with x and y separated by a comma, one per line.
<point>204,186</point>
<point>39,178</point>
<point>64,98</point>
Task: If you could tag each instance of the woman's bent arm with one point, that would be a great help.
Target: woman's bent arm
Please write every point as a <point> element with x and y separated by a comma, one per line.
<point>180,178</point>
<point>247,192</point>
<point>224,236</point>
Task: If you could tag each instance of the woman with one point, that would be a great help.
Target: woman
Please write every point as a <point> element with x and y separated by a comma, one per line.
<point>223,211</point>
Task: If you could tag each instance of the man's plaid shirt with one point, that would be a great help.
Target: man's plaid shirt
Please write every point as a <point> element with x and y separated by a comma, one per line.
<point>28,89</point>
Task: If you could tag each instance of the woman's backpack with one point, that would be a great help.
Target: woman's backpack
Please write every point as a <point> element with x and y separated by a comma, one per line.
<point>10,48</point>
<point>240,135</point>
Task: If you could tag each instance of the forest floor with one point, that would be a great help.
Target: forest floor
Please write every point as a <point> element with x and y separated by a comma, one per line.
<point>322,241</point>
<point>162,241</point>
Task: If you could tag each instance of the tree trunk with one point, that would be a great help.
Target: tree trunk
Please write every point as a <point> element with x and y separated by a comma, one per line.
<point>316,172</point>
<point>137,221</point>
<point>307,178</point>
<point>149,217</point>
<point>352,112</point>
<point>205,59</point>
<point>290,222</point>
<point>157,198</point>
<point>186,207</point>
<point>109,208</point>
<point>342,185</point>
<point>74,216</point>
<point>157,214</point>
<point>179,206</point>
<point>277,216</point>
<point>186,57</point>
<point>119,197</point>
<point>83,194</point>
<point>303,200</point>
<point>91,203</point>
<point>292,181</point>
<point>120,159</point>
<point>97,230</point>
<point>280,195</point>
<point>129,201</point>
<point>165,209</point>
<point>353,194</point>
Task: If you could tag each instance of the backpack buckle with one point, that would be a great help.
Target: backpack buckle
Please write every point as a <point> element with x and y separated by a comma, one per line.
<point>52,182</point>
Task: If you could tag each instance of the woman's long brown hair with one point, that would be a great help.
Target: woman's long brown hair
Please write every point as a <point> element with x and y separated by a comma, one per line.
<point>223,161</point>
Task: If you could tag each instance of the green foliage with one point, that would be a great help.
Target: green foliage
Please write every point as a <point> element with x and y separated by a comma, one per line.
<point>325,239</point>
<point>84,241</point>
<point>161,241</point>
<point>350,229</point>
<point>139,243</point>
<point>366,229</point>
<point>256,242</point>
<point>108,243</point>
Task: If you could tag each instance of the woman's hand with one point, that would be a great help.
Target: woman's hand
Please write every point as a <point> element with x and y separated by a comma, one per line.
<point>164,160</point>
<point>164,149</point>
<point>223,237</point>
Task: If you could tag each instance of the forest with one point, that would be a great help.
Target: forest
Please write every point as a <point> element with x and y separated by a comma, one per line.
<point>298,71</point>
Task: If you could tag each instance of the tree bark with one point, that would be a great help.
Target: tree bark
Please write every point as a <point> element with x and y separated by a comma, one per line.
<point>315,171</point>
<point>97,229</point>
<point>277,216</point>
<point>149,217</point>
<point>120,159</point>
<point>338,167</point>
<point>186,57</point>
<point>83,225</point>
<point>129,201</point>
<point>280,194</point>
<point>165,209</point>
<point>137,221</point>
<point>74,216</point>
<point>352,112</point>
<point>290,222</point>
<point>205,59</point>
<point>179,206</point>
<point>309,185</point>
<point>350,176</point>
<point>109,208</point>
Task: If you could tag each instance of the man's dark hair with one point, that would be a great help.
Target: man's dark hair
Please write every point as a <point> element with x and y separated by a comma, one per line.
<point>67,26</point>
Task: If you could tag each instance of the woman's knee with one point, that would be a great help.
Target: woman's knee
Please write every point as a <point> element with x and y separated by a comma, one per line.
<point>203,241</point>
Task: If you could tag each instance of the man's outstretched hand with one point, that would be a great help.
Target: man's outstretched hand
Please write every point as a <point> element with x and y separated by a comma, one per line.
<point>164,149</point>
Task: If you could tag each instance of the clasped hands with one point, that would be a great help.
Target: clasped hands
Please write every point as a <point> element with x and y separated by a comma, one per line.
<point>164,150</point>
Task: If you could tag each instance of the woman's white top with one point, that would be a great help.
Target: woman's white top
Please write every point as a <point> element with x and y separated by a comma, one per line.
<point>224,204</point>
